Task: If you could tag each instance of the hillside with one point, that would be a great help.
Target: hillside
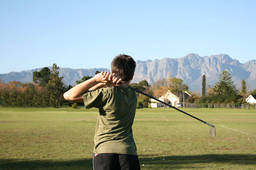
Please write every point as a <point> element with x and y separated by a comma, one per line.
<point>189,68</point>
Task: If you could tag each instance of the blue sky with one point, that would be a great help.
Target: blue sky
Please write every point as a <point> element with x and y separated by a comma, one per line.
<point>88,34</point>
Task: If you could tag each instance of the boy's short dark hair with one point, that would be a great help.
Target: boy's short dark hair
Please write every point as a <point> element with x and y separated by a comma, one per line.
<point>124,66</point>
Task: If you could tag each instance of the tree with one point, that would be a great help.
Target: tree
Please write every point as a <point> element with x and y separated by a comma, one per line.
<point>176,86</point>
<point>243,88</point>
<point>84,78</point>
<point>144,83</point>
<point>42,77</point>
<point>29,94</point>
<point>143,101</point>
<point>48,93</point>
<point>141,86</point>
<point>194,98</point>
<point>203,86</point>
<point>253,93</point>
<point>55,88</point>
<point>224,90</point>
<point>160,91</point>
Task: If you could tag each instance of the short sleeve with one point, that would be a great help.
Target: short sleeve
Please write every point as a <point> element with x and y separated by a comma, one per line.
<point>93,98</point>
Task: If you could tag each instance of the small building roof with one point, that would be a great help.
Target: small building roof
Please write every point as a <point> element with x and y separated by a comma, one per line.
<point>250,99</point>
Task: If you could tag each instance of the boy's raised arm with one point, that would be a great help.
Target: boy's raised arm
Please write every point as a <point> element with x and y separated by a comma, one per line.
<point>75,93</point>
<point>98,81</point>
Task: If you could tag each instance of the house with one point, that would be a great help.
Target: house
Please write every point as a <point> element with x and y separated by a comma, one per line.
<point>169,98</point>
<point>155,104</point>
<point>250,99</point>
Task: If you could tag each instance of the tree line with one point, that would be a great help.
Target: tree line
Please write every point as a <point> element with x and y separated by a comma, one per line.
<point>223,92</point>
<point>47,90</point>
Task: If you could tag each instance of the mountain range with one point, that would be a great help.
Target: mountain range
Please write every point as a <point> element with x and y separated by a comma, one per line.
<point>189,68</point>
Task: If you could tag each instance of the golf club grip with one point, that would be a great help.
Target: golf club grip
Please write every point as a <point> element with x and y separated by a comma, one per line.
<point>135,89</point>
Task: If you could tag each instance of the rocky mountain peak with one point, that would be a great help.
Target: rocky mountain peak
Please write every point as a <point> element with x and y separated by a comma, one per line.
<point>189,68</point>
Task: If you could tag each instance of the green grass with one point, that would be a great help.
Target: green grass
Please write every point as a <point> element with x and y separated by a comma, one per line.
<point>48,138</point>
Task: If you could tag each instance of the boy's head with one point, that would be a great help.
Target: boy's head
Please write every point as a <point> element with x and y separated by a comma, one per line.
<point>124,66</point>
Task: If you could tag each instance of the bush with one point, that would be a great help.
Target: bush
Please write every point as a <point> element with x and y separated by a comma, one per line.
<point>74,105</point>
<point>143,101</point>
<point>139,105</point>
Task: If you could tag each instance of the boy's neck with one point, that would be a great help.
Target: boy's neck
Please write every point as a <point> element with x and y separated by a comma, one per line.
<point>124,83</point>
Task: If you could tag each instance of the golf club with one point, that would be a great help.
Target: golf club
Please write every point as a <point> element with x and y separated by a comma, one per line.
<point>212,127</point>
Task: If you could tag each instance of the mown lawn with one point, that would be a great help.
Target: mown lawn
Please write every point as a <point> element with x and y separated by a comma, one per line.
<point>47,138</point>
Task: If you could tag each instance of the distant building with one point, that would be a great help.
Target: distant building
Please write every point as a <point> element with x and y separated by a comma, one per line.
<point>155,104</point>
<point>169,98</point>
<point>250,99</point>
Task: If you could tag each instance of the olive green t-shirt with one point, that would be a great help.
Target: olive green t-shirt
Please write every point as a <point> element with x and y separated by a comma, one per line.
<point>117,107</point>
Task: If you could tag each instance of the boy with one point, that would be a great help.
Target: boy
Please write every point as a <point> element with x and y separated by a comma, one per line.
<point>114,146</point>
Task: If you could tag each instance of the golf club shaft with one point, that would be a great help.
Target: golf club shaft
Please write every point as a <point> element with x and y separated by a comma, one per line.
<point>173,107</point>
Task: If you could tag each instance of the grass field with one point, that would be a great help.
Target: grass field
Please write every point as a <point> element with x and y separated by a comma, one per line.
<point>47,138</point>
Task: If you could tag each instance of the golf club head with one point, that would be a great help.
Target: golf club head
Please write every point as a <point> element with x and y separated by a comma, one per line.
<point>213,131</point>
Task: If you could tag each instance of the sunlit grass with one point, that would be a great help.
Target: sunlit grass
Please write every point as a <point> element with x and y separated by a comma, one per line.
<point>48,138</point>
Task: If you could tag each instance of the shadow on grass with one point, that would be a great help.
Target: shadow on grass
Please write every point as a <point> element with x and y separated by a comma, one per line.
<point>193,161</point>
<point>146,161</point>
<point>9,164</point>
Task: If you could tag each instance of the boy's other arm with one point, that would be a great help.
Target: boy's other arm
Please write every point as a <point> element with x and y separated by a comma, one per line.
<point>75,93</point>
<point>98,81</point>
<point>97,86</point>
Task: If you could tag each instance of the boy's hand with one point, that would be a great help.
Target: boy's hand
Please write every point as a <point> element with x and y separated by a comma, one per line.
<point>109,79</point>
<point>100,77</point>
<point>113,79</point>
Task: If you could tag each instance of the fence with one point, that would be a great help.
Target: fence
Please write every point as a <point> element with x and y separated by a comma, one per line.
<point>238,106</point>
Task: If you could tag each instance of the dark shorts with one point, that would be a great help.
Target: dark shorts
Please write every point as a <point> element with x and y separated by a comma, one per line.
<point>110,161</point>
